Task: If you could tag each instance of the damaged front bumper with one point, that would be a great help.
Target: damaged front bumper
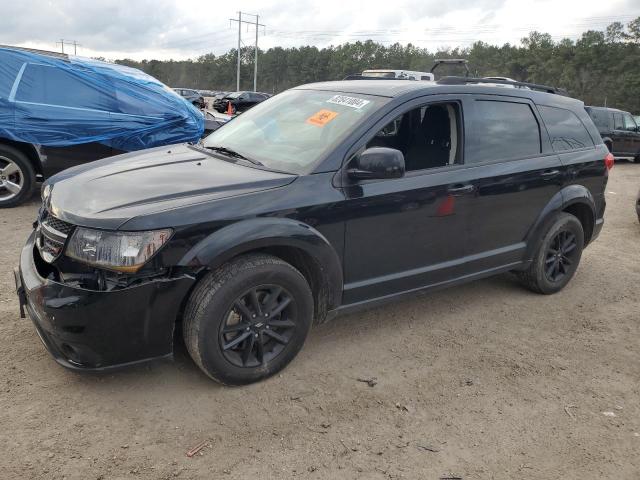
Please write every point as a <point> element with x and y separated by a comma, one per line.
<point>92,330</point>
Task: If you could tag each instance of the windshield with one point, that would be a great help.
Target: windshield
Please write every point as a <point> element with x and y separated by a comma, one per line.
<point>234,95</point>
<point>292,131</point>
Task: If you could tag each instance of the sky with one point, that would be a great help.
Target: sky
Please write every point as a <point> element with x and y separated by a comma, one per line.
<point>182,29</point>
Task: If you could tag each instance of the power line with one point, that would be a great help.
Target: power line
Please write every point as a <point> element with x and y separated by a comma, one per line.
<point>255,64</point>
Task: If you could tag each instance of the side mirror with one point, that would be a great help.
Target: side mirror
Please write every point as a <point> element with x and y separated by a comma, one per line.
<point>377,163</point>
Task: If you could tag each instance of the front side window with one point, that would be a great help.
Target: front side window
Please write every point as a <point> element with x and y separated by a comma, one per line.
<point>428,136</point>
<point>292,131</point>
<point>501,131</point>
<point>566,130</point>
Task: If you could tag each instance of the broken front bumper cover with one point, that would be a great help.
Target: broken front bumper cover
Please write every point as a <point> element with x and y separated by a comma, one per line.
<point>93,330</point>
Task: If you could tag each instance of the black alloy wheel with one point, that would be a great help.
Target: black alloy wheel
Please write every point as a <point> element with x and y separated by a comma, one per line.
<point>259,326</point>
<point>561,254</point>
<point>248,319</point>
<point>557,255</point>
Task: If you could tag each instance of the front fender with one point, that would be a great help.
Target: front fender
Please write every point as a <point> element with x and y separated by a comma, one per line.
<point>262,233</point>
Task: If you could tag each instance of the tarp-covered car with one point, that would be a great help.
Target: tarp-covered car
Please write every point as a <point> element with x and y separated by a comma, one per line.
<point>57,111</point>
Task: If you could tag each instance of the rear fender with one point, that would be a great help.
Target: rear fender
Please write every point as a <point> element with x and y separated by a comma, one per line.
<point>570,195</point>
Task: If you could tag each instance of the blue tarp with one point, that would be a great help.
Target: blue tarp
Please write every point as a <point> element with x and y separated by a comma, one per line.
<point>60,101</point>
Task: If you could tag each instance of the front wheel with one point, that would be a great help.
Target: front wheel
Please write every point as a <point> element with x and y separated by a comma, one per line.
<point>17,177</point>
<point>247,320</point>
<point>557,257</point>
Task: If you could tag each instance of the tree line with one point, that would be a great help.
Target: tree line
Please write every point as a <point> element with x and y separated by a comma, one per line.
<point>601,67</point>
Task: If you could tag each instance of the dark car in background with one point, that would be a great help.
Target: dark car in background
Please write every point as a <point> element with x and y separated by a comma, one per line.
<point>239,101</point>
<point>327,198</point>
<point>58,111</point>
<point>619,131</point>
<point>194,96</point>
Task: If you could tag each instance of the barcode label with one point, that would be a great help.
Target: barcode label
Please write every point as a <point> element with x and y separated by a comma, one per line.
<point>352,102</point>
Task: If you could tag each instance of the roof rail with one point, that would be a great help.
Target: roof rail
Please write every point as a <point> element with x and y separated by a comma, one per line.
<point>62,56</point>
<point>531,86</point>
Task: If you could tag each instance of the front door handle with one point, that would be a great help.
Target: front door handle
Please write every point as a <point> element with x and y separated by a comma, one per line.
<point>460,189</point>
<point>550,173</point>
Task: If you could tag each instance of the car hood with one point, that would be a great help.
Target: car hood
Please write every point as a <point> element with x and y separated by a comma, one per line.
<point>107,193</point>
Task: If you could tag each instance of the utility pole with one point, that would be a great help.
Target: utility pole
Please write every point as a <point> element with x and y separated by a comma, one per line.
<point>75,45</point>
<point>255,61</point>
<point>239,40</point>
<point>255,65</point>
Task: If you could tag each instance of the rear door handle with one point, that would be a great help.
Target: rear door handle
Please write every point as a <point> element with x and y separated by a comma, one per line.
<point>550,173</point>
<point>460,189</point>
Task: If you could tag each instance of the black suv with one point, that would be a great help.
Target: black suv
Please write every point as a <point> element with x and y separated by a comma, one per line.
<point>327,198</point>
<point>619,132</point>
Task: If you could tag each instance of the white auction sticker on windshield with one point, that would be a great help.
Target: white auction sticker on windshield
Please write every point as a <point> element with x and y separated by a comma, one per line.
<point>352,102</point>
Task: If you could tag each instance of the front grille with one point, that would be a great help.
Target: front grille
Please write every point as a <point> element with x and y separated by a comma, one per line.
<point>51,236</point>
<point>56,224</point>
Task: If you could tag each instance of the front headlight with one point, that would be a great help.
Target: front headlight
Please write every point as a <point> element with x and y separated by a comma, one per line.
<point>120,251</point>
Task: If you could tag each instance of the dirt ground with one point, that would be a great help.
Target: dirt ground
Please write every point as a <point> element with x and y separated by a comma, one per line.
<point>482,381</point>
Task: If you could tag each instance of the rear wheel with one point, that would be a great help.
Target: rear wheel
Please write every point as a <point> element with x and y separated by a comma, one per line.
<point>557,257</point>
<point>247,320</point>
<point>17,177</point>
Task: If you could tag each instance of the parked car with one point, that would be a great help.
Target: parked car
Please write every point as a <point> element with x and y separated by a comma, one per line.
<point>401,74</point>
<point>57,111</point>
<point>328,198</point>
<point>619,131</point>
<point>240,101</point>
<point>192,96</point>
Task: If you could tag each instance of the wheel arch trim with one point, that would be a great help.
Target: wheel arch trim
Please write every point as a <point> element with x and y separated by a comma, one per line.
<point>569,196</point>
<point>268,233</point>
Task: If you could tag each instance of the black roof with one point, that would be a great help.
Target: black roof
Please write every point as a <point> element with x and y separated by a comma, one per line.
<point>412,88</point>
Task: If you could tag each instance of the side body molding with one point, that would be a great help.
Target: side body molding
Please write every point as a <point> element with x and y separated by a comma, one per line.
<point>275,233</point>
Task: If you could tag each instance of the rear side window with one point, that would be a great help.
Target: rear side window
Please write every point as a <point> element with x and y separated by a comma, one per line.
<point>48,85</point>
<point>566,130</point>
<point>617,121</point>
<point>501,131</point>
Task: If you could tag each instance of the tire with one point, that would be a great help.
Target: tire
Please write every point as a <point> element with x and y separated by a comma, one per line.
<point>537,277</point>
<point>16,185</point>
<point>228,338</point>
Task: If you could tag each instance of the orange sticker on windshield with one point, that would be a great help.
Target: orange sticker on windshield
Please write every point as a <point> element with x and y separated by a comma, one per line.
<point>322,117</point>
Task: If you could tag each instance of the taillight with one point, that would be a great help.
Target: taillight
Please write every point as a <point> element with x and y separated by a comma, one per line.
<point>609,160</point>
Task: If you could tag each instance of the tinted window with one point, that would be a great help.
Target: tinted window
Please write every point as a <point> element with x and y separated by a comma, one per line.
<point>629,123</point>
<point>600,117</point>
<point>501,131</point>
<point>617,121</point>
<point>566,130</point>
<point>56,86</point>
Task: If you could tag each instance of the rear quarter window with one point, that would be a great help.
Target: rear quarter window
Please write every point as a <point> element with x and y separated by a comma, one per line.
<point>566,130</point>
<point>501,130</point>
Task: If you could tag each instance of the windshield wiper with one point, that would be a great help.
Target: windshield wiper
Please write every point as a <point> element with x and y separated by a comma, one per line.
<point>232,153</point>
